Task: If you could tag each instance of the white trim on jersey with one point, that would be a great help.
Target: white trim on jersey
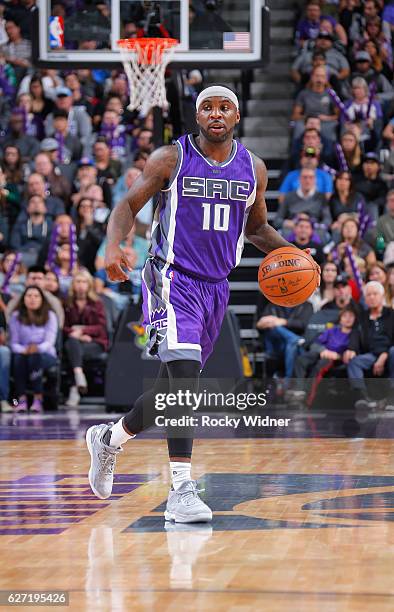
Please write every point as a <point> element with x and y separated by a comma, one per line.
<point>221,165</point>
<point>172,225</point>
<point>147,290</point>
<point>241,239</point>
<point>240,246</point>
<point>251,199</point>
<point>249,203</point>
<point>253,168</point>
<point>178,167</point>
<point>172,330</point>
<point>155,220</point>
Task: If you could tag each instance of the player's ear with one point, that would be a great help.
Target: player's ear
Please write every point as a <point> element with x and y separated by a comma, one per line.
<point>238,117</point>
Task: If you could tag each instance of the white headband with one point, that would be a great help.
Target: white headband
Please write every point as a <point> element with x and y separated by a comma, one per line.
<point>217,91</point>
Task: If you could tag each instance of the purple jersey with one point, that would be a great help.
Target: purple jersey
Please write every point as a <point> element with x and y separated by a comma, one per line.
<point>199,224</point>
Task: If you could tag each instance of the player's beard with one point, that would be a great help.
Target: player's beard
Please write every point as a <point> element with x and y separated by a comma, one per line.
<point>216,138</point>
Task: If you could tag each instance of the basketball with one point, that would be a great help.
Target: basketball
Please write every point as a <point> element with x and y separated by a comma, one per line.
<point>288,276</point>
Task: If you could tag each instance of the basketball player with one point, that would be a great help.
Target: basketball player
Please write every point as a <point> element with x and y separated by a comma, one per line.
<point>211,195</point>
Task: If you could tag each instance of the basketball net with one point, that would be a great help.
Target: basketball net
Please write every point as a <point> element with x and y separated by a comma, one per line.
<point>145,61</point>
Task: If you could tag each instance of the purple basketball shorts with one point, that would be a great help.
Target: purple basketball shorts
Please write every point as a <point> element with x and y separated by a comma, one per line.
<point>182,315</point>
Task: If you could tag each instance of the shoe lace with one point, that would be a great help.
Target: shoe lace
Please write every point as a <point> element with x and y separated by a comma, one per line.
<point>107,462</point>
<point>189,495</point>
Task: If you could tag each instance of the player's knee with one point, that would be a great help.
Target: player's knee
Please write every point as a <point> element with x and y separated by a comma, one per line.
<point>184,380</point>
<point>184,369</point>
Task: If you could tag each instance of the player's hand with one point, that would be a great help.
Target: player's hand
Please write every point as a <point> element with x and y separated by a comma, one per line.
<point>116,262</point>
<point>308,252</point>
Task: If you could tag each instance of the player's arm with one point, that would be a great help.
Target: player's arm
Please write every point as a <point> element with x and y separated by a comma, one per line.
<point>158,170</point>
<point>257,230</point>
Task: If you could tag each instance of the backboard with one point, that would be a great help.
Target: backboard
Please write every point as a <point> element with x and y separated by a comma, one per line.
<point>84,33</point>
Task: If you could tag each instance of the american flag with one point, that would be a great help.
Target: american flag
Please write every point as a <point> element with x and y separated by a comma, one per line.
<point>239,41</point>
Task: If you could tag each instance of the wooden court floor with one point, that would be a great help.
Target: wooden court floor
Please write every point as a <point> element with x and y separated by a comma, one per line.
<point>300,525</point>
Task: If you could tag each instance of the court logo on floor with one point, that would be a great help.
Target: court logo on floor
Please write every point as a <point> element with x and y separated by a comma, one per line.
<point>48,504</point>
<point>243,502</point>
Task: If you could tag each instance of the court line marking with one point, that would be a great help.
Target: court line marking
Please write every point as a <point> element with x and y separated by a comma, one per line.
<point>231,591</point>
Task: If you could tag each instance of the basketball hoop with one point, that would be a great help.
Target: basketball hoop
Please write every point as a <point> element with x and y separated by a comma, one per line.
<point>145,61</point>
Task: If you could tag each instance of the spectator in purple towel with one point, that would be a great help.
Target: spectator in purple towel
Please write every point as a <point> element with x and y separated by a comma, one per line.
<point>33,332</point>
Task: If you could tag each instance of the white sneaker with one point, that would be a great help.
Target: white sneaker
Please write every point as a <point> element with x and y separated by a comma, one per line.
<point>5,406</point>
<point>185,506</point>
<point>103,461</point>
<point>73,397</point>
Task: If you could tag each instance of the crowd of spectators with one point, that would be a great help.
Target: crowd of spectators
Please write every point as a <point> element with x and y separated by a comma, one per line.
<point>69,151</point>
<point>337,196</point>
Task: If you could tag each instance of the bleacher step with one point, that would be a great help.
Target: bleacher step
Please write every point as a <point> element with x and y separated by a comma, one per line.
<point>267,107</point>
<point>266,129</point>
<point>274,5</point>
<point>260,126</point>
<point>280,33</point>
<point>277,145</point>
<point>244,286</point>
<point>282,17</point>
<point>249,334</point>
<point>243,309</point>
<point>269,90</point>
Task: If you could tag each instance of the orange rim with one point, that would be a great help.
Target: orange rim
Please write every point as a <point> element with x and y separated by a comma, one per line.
<point>146,48</point>
<point>135,43</point>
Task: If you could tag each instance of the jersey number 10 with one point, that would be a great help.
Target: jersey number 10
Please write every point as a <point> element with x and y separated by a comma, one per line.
<point>221,217</point>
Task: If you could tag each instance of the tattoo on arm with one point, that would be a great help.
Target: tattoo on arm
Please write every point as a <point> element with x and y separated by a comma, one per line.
<point>258,231</point>
<point>158,170</point>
